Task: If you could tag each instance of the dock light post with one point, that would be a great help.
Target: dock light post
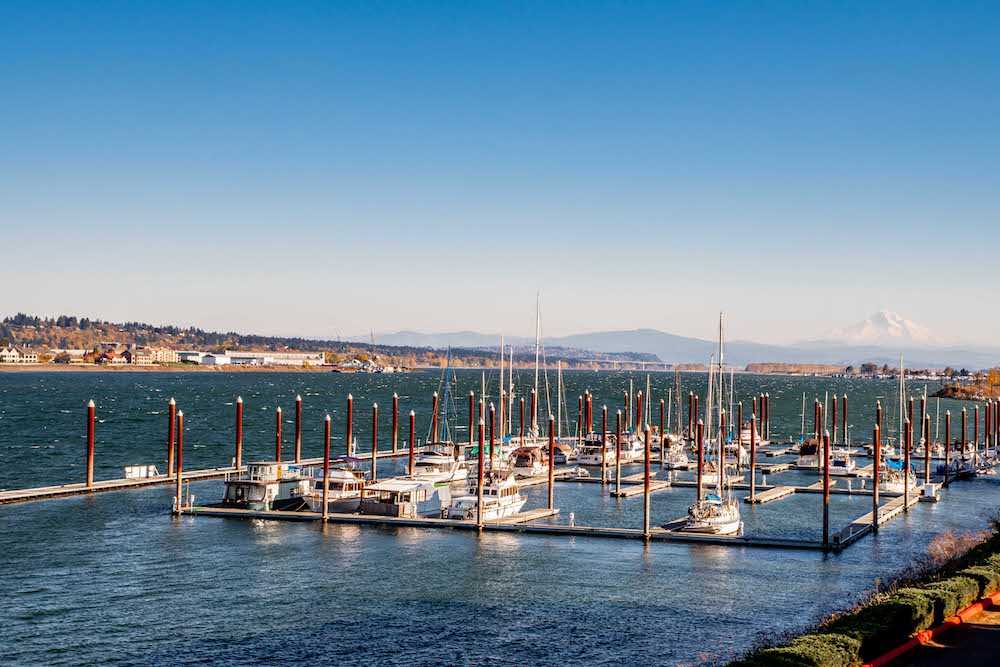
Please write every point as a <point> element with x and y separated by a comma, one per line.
<point>906,465</point>
<point>479,475</point>
<point>238,461</point>
<point>618,454</point>
<point>171,435</point>
<point>552,464</point>
<point>492,434</point>
<point>91,419</point>
<point>645,489</point>
<point>826,490</point>
<point>374,441</point>
<point>180,461</point>
<point>413,435</point>
<point>298,429</point>
<point>753,453</point>
<point>277,434</point>
<point>701,456</point>
<point>326,467</point>
<point>604,445</point>
<point>472,414</point>
<point>947,445</point>
<point>434,417</point>
<point>927,449</point>
<point>590,412</point>
<point>349,435</point>
<point>521,404</point>
<point>395,423</point>
<point>877,446</point>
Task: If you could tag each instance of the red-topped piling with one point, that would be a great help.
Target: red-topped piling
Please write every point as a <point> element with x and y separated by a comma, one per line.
<point>552,464</point>
<point>298,429</point>
<point>395,423</point>
<point>326,466</point>
<point>374,442</point>
<point>91,421</point>
<point>413,442</point>
<point>277,434</point>
<point>238,459</point>
<point>180,462</point>
<point>171,435</point>
<point>645,488</point>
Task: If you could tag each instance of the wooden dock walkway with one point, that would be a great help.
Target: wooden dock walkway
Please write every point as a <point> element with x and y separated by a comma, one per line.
<point>774,493</point>
<point>519,524</point>
<point>639,489</point>
<point>121,484</point>
<point>861,526</point>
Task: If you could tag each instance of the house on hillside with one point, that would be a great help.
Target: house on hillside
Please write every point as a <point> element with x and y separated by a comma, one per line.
<point>17,355</point>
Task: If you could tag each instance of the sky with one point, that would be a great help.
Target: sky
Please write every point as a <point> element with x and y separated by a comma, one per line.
<point>324,169</point>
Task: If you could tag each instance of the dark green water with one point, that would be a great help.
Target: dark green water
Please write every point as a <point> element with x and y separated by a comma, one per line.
<point>113,578</point>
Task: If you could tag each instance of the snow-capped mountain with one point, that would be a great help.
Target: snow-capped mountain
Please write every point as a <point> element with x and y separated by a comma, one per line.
<point>884,328</point>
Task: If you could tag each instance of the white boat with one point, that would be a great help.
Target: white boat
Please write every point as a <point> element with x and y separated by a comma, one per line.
<point>590,455</point>
<point>716,513</point>
<point>676,457</point>
<point>714,516</point>
<point>408,497</point>
<point>344,487</point>
<point>266,485</point>
<point>809,456</point>
<point>633,449</point>
<point>841,463</point>
<point>441,465</point>
<point>501,498</point>
<point>530,461</point>
<point>893,480</point>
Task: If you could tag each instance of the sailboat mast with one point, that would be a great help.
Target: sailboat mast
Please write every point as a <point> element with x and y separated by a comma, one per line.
<point>538,350</point>
<point>559,391</point>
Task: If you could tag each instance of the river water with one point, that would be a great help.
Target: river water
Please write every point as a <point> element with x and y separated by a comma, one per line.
<point>113,578</point>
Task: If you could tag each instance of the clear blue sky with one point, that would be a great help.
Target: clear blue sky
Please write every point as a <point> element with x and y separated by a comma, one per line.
<point>324,168</point>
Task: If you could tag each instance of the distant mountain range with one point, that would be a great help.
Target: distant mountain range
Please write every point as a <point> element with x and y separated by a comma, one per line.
<point>879,339</point>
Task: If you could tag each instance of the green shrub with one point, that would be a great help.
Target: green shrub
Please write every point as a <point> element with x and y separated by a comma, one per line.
<point>988,578</point>
<point>819,650</point>
<point>884,625</point>
<point>959,592</point>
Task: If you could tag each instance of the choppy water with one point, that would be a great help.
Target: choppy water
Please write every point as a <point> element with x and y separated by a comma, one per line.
<point>113,578</point>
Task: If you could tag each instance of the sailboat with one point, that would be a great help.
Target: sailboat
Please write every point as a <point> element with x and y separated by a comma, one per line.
<point>716,513</point>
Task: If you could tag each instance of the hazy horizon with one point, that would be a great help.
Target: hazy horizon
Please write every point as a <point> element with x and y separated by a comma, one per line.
<point>324,170</point>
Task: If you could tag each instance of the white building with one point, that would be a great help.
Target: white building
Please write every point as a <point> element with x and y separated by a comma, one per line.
<point>278,358</point>
<point>190,356</point>
<point>17,355</point>
<point>215,360</point>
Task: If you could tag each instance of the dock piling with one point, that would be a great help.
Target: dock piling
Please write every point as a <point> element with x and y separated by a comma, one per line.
<point>701,457</point>
<point>171,424</point>
<point>947,446</point>
<point>552,464</point>
<point>927,448</point>
<point>826,489</point>
<point>374,442</point>
<point>91,420</point>
<point>663,433</point>
<point>238,462</point>
<point>877,453</point>
<point>906,463</point>
<point>521,425</point>
<point>493,415</point>
<point>618,452</point>
<point>277,434</point>
<point>472,415</point>
<point>395,423</point>
<point>645,488</point>
<point>604,445</point>
<point>479,475</point>
<point>349,429</point>
<point>326,467</point>
<point>753,453</point>
<point>298,429</point>
<point>180,462</point>
<point>413,442</point>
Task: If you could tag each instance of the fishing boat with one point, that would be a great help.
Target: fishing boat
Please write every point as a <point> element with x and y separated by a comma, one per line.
<point>530,461</point>
<point>716,513</point>
<point>501,498</point>
<point>344,486</point>
<point>407,497</point>
<point>266,485</point>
